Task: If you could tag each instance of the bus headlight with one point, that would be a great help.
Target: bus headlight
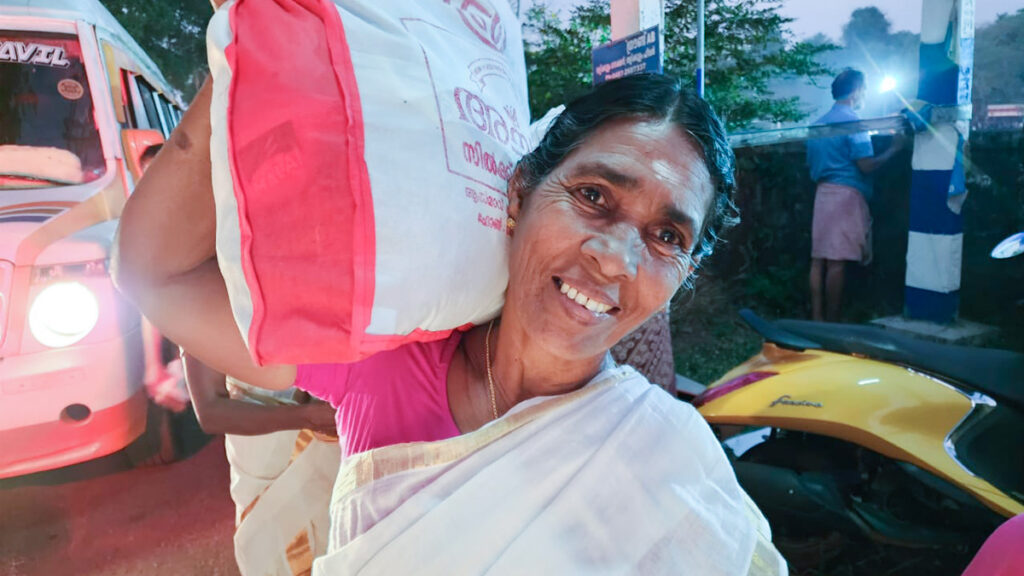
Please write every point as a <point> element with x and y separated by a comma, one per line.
<point>62,314</point>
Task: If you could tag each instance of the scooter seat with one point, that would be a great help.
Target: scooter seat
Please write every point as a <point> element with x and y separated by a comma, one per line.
<point>998,373</point>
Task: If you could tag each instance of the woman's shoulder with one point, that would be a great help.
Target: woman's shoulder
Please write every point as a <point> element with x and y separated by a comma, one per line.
<point>680,418</point>
<point>416,361</point>
<point>412,359</point>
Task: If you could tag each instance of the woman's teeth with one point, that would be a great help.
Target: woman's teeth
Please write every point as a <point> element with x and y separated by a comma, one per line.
<point>582,299</point>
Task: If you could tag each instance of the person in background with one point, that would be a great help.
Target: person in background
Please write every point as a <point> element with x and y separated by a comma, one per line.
<point>841,167</point>
<point>284,458</point>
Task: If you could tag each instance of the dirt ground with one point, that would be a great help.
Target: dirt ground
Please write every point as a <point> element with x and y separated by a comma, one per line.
<point>101,519</point>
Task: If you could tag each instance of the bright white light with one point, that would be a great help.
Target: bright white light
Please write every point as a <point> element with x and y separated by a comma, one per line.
<point>888,85</point>
<point>63,314</point>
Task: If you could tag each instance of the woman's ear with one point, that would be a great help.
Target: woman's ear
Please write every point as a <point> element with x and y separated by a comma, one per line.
<point>515,194</point>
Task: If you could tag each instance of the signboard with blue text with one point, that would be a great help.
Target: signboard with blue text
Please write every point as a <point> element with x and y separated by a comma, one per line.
<point>638,53</point>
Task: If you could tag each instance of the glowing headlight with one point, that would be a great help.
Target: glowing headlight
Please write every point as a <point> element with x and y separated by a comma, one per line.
<point>62,314</point>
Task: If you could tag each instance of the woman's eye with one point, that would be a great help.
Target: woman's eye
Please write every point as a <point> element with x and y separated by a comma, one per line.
<point>669,236</point>
<point>592,195</point>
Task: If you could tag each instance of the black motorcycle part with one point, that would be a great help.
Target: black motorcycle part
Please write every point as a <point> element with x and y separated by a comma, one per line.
<point>998,373</point>
<point>812,499</point>
<point>990,443</point>
<point>776,335</point>
<point>808,484</point>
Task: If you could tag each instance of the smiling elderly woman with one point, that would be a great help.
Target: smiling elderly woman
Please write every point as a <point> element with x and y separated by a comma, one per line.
<point>518,447</point>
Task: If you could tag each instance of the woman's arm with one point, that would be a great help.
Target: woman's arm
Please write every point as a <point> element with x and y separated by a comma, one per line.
<point>164,256</point>
<point>220,414</point>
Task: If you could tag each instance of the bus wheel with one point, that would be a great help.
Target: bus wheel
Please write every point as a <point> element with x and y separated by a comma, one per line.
<point>158,444</point>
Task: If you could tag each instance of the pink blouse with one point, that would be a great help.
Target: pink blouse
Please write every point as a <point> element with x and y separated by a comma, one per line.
<point>392,397</point>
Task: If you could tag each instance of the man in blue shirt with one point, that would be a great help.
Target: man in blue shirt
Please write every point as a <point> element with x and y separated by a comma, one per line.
<point>841,168</point>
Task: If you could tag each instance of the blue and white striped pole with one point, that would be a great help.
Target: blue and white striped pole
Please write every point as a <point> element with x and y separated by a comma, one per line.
<point>937,192</point>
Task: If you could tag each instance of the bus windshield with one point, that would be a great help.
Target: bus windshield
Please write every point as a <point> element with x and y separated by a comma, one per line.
<point>48,133</point>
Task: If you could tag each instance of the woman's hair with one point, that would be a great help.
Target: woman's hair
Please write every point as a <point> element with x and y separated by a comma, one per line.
<point>647,97</point>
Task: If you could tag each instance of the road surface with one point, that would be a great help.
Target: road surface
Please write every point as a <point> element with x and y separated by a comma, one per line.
<point>102,519</point>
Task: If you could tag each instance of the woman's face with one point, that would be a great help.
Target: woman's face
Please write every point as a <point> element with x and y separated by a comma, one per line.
<point>605,240</point>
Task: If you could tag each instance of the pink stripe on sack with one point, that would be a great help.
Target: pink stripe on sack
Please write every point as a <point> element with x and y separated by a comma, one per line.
<point>293,114</point>
<point>363,233</point>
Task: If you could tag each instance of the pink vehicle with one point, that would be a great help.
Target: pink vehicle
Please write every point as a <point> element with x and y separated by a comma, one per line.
<point>79,102</point>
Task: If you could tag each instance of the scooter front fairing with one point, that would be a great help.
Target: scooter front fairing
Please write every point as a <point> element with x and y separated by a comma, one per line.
<point>893,410</point>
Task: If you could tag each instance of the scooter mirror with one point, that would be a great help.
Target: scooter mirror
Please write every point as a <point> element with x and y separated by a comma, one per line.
<point>1010,247</point>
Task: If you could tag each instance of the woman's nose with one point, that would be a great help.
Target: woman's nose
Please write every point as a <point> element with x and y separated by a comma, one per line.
<point>616,251</point>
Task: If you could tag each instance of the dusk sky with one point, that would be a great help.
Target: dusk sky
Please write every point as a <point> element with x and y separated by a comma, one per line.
<point>828,16</point>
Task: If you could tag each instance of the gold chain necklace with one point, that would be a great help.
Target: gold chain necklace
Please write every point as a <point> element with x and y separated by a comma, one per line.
<point>490,377</point>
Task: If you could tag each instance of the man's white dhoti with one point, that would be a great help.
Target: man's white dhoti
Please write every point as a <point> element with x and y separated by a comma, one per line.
<point>281,484</point>
<point>615,478</point>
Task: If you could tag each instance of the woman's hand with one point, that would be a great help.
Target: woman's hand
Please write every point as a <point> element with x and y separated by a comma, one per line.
<point>165,254</point>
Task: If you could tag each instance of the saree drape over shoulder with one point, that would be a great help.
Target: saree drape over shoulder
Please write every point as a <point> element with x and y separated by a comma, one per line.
<point>615,478</point>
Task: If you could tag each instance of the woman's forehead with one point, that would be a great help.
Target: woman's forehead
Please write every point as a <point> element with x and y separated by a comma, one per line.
<point>663,146</point>
<point>633,154</point>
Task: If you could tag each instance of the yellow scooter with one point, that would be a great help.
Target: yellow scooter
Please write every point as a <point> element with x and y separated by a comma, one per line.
<point>867,442</point>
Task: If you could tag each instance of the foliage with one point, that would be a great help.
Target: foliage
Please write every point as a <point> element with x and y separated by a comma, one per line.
<point>999,62</point>
<point>558,55</point>
<point>172,33</point>
<point>870,46</point>
<point>866,25</point>
<point>747,44</point>
<point>708,336</point>
<point>781,290</point>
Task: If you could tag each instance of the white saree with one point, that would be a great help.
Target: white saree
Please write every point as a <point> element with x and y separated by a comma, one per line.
<point>615,478</point>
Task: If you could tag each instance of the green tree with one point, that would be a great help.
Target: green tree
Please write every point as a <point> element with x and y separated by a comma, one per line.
<point>172,33</point>
<point>747,45</point>
<point>870,45</point>
<point>999,63</point>
<point>866,25</point>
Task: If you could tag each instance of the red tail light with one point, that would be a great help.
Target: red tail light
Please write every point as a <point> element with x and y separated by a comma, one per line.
<point>730,386</point>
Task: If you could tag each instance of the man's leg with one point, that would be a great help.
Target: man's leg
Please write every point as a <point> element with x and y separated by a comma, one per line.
<point>834,278</point>
<point>816,281</point>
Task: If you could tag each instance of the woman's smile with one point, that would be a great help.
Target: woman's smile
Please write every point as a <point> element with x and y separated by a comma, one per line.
<point>583,302</point>
<point>591,300</point>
